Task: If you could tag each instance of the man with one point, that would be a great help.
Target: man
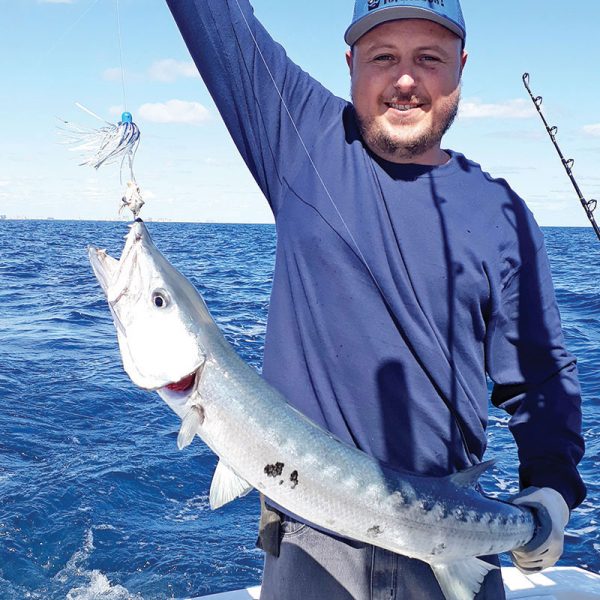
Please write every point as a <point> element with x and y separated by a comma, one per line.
<point>403,275</point>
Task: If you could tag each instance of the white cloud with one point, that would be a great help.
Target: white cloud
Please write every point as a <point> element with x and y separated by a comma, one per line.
<point>592,130</point>
<point>169,70</point>
<point>174,111</point>
<point>112,74</point>
<point>511,109</point>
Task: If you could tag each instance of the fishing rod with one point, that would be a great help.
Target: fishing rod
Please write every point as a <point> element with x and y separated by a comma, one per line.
<point>588,205</point>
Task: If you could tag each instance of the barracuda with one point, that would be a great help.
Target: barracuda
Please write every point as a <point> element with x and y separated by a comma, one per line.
<point>169,343</point>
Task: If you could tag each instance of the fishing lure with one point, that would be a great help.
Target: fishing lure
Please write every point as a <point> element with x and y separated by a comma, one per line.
<point>109,144</point>
<point>106,144</point>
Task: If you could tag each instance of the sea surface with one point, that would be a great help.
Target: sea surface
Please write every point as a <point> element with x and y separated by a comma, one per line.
<point>96,502</point>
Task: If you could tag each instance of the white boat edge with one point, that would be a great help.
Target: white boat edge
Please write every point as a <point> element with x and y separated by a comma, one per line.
<point>556,583</point>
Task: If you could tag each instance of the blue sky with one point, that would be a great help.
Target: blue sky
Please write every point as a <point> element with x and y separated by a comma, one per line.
<point>55,53</point>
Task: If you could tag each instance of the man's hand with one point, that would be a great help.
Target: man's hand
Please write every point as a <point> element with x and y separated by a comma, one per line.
<point>552,514</point>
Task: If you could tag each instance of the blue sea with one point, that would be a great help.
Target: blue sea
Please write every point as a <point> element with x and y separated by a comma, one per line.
<point>96,502</point>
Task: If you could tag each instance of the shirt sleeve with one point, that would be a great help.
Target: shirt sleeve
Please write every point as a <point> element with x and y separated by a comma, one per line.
<point>272,109</point>
<point>536,380</point>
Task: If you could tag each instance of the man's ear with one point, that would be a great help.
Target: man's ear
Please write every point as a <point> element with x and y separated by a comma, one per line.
<point>349,60</point>
<point>463,60</point>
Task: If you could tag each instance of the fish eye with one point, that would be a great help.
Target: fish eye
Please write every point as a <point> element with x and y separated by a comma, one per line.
<point>160,299</point>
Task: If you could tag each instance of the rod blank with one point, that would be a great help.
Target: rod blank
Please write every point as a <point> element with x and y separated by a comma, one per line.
<point>588,206</point>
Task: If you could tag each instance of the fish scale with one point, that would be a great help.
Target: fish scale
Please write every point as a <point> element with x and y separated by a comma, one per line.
<point>323,498</point>
<point>265,443</point>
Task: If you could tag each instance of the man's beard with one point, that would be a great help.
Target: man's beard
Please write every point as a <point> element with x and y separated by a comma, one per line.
<point>401,146</point>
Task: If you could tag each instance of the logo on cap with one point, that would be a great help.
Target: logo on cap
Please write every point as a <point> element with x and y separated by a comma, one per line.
<point>372,4</point>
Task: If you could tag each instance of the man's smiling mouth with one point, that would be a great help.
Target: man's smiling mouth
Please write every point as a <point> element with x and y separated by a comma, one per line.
<point>402,107</point>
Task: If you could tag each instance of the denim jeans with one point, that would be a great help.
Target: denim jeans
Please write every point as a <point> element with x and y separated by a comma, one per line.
<point>315,566</point>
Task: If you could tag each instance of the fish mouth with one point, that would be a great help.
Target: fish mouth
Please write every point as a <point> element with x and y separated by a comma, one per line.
<point>178,393</point>
<point>183,385</point>
<point>186,384</point>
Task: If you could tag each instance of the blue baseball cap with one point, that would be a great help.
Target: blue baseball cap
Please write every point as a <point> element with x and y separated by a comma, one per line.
<point>370,13</point>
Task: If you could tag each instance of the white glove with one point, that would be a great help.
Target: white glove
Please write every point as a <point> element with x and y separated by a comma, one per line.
<point>552,513</point>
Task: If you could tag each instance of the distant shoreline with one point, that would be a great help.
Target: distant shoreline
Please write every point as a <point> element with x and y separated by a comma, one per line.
<point>150,220</point>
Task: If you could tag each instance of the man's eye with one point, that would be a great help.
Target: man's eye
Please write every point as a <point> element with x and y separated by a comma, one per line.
<point>384,58</point>
<point>429,58</point>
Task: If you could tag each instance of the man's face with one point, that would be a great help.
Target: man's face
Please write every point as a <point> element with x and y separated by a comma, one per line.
<point>406,88</point>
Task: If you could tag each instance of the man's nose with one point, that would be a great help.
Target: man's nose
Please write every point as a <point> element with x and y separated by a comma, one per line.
<point>405,82</point>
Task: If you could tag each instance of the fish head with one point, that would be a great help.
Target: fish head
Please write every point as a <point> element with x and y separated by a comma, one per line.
<point>158,314</point>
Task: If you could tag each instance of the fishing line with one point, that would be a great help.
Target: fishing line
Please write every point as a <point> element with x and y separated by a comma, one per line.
<point>111,142</point>
<point>451,409</point>
<point>58,40</point>
<point>314,166</point>
<point>121,56</point>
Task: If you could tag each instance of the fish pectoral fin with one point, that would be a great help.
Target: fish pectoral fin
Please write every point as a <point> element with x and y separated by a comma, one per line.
<point>469,477</point>
<point>461,580</point>
<point>226,486</point>
<point>189,426</point>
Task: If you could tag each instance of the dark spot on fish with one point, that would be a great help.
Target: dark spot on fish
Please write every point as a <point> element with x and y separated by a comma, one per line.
<point>439,549</point>
<point>274,470</point>
<point>461,515</point>
<point>444,513</point>
<point>400,499</point>
<point>374,531</point>
<point>294,478</point>
<point>281,482</point>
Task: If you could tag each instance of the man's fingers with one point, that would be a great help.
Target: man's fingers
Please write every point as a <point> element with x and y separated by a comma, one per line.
<point>554,548</point>
<point>553,514</point>
<point>535,554</point>
<point>536,562</point>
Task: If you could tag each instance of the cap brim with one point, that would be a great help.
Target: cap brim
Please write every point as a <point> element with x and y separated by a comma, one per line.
<point>393,13</point>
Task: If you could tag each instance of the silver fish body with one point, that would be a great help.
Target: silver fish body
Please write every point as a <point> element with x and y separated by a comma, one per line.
<point>170,343</point>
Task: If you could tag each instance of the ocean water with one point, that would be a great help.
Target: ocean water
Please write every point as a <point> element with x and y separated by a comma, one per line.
<point>96,502</point>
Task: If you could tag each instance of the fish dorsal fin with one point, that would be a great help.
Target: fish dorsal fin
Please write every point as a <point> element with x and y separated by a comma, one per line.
<point>189,426</point>
<point>226,486</point>
<point>469,477</point>
<point>462,580</point>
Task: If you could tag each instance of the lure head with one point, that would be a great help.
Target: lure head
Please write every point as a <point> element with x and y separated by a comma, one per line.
<point>126,117</point>
<point>161,320</point>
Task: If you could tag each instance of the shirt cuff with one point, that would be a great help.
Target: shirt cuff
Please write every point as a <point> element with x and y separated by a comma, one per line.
<point>560,477</point>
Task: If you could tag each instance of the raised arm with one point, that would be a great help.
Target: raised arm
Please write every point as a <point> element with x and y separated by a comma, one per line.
<point>245,72</point>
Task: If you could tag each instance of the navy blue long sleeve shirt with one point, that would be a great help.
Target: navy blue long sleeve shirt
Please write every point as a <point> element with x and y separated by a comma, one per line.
<point>397,288</point>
